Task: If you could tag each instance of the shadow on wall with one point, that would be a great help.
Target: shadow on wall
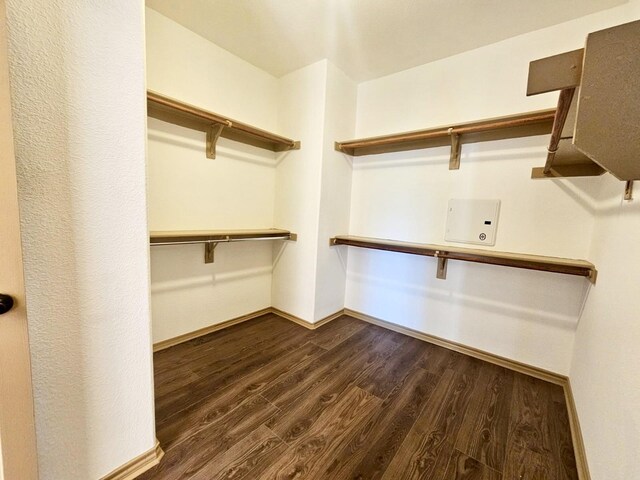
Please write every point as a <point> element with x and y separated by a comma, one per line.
<point>611,198</point>
<point>536,297</point>
<point>583,191</point>
<point>178,267</point>
<point>195,141</point>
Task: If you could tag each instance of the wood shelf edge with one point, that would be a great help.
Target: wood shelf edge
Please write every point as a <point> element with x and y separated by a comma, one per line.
<point>512,126</point>
<point>581,268</point>
<point>186,115</point>
<point>182,236</point>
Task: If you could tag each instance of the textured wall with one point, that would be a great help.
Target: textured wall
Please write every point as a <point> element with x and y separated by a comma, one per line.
<point>77,76</point>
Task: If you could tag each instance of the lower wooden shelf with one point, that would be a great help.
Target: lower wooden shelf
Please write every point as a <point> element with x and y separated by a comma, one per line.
<point>211,238</point>
<point>445,252</point>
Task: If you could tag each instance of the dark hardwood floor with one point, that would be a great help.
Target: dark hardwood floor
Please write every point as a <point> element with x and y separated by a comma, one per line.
<point>269,399</point>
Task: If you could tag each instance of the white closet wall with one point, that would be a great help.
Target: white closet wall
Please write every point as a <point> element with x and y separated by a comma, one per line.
<point>77,81</point>
<point>297,198</point>
<point>188,191</point>
<point>524,315</point>
<point>317,105</point>
<point>246,187</point>
<point>604,370</point>
<point>335,200</point>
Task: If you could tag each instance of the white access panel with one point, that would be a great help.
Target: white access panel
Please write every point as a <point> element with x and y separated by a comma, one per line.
<point>472,221</point>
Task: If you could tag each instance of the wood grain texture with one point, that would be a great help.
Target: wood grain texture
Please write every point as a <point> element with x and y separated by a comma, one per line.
<point>268,399</point>
<point>463,467</point>
<point>487,420</point>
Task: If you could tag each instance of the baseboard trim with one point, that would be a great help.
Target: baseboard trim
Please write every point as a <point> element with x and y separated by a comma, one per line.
<point>530,370</point>
<point>137,466</point>
<point>292,318</point>
<point>210,329</point>
<point>304,323</point>
<point>576,434</point>
<point>244,318</point>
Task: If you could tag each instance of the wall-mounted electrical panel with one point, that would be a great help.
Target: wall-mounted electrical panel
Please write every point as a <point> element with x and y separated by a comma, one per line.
<point>472,221</point>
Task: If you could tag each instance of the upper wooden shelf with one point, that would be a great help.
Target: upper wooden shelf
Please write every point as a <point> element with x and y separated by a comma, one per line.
<point>598,114</point>
<point>211,238</point>
<point>445,252</point>
<point>180,113</point>
<point>513,126</point>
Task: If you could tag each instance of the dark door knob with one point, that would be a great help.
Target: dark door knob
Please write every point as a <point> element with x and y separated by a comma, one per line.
<point>6,303</point>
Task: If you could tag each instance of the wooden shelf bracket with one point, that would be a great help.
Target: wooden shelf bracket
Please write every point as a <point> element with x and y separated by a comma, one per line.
<point>441,272</point>
<point>628,190</point>
<point>212,138</point>
<point>209,247</point>
<point>456,150</point>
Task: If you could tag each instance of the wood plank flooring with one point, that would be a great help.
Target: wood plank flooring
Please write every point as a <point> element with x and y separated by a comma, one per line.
<point>269,399</point>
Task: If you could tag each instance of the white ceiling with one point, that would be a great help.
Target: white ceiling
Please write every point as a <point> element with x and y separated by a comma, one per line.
<point>365,38</point>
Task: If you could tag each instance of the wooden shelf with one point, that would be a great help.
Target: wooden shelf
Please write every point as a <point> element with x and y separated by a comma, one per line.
<point>596,126</point>
<point>215,125</point>
<point>445,252</point>
<point>211,238</point>
<point>513,126</point>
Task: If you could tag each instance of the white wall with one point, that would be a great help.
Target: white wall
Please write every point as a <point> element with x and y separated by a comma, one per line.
<point>527,316</point>
<point>246,187</point>
<point>187,191</point>
<point>604,370</point>
<point>77,78</point>
<point>317,104</point>
<point>298,180</point>
<point>335,196</point>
